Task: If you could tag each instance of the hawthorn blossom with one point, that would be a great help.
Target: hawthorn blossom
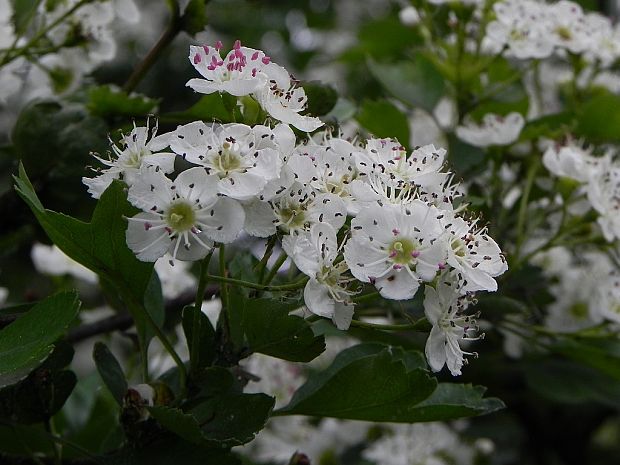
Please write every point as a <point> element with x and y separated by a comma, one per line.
<point>239,73</point>
<point>603,192</point>
<point>284,99</point>
<point>137,149</point>
<point>472,253</point>
<point>607,297</point>
<point>243,158</point>
<point>395,249</point>
<point>420,444</point>
<point>519,26</point>
<point>444,308</point>
<point>327,168</point>
<point>315,253</point>
<point>183,217</point>
<point>50,260</point>
<point>494,130</point>
<point>570,161</point>
<point>295,211</point>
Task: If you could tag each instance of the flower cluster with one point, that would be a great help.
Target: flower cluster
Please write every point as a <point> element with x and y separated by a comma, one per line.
<point>527,29</point>
<point>347,214</point>
<point>598,177</point>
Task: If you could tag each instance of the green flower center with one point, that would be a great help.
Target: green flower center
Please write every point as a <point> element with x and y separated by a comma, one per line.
<point>563,33</point>
<point>402,251</point>
<point>135,158</point>
<point>292,218</point>
<point>579,310</point>
<point>181,217</point>
<point>458,246</point>
<point>227,160</point>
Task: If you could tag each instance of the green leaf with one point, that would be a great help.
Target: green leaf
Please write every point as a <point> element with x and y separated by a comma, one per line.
<point>23,11</point>
<point>224,421</point>
<point>100,246</point>
<point>182,424</point>
<point>553,126</point>
<point>194,18</point>
<point>599,118</point>
<point>109,101</point>
<point>207,336</point>
<point>462,155</point>
<point>28,341</point>
<point>416,83</point>
<point>38,397</point>
<point>270,330</point>
<point>233,419</point>
<point>321,98</point>
<point>451,401</point>
<point>601,354</point>
<point>110,371</point>
<point>572,383</point>
<point>383,119</point>
<point>209,108</point>
<point>366,382</point>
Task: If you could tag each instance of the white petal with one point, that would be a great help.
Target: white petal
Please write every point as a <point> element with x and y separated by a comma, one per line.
<point>147,244</point>
<point>435,349</point>
<point>259,219</point>
<point>317,299</point>
<point>397,285</point>
<point>197,186</point>
<point>226,222</point>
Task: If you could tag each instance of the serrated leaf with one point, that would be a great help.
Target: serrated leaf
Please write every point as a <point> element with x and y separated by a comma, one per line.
<point>223,421</point>
<point>366,382</point>
<point>110,371</point>
<point>270,330</point>
<point>373,382</point>
<point>451,401</point>
<point>109,101</point>
<point>100,246</point>
<point>28,341</point>
<point>383,119</point>
<point>416,83</point>
<point>233,419</point>
<point>176,421</point>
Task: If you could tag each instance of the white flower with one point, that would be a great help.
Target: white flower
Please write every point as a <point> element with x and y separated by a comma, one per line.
<point>239,73</point>
<point>50,260</point>
<point>395,249</point>
<point>387,157</point>
<point>473,254</point>
<point>419,444</point>
<point>327,168</point>
<point>326,292</point>
<point>283,99</point>
<point>137,149</point>
<point>444,308</point>
<point>603,191</point>
<point>519,26</point>
<point>568,26</point>
<point>494,130</point>
<point>301,208</point>
<point>244,159</point>
<point>183,217</point>
<point>570,161</point>
<point>607,297</point>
